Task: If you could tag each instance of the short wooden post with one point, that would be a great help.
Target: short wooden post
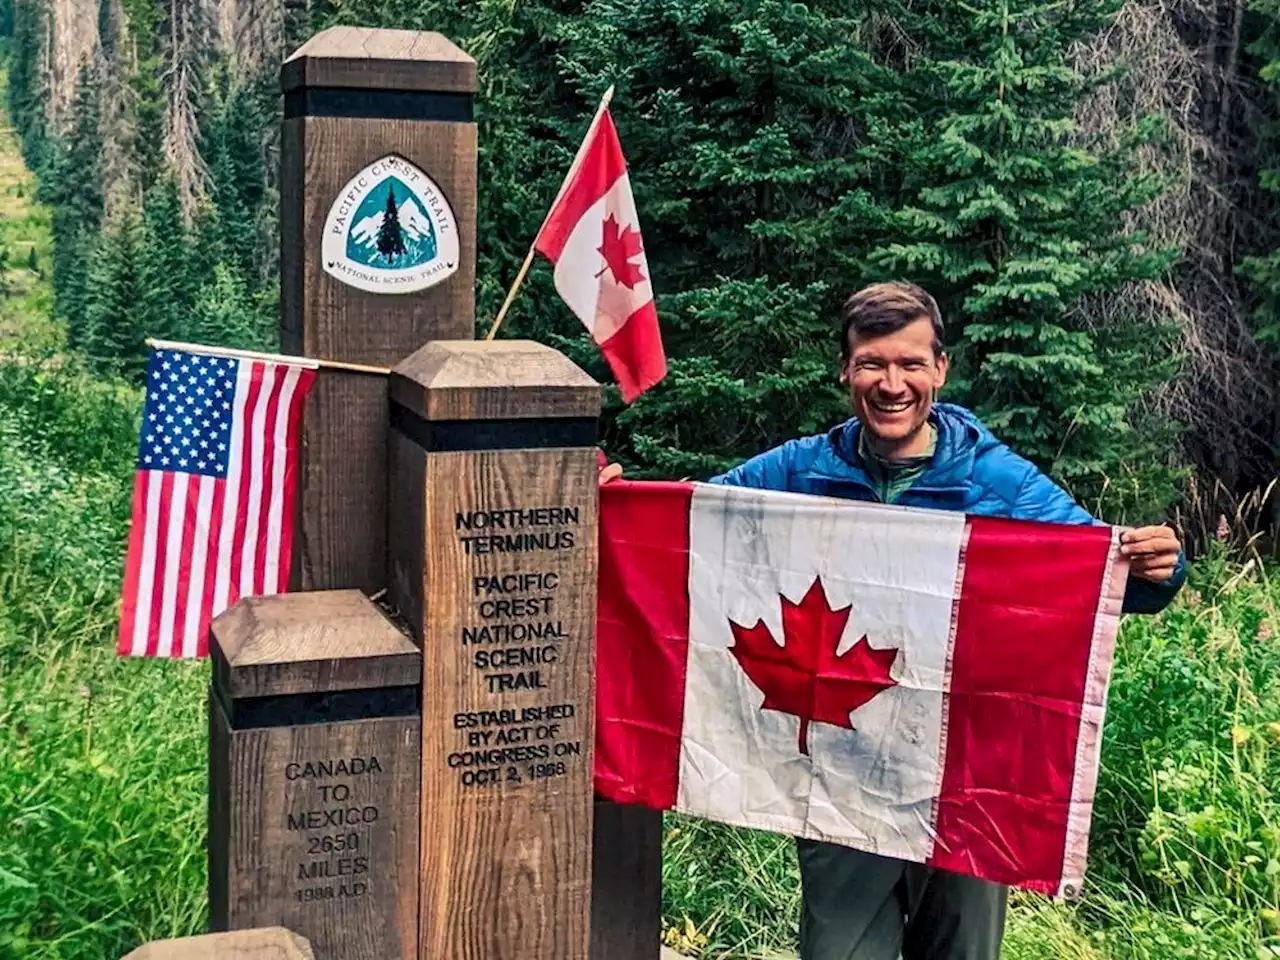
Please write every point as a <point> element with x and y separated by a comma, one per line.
<point>493,559</point>
<point>313,774</point>
<point>371,117</point>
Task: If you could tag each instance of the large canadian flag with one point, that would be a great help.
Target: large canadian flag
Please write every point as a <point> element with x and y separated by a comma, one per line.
<point>592,235</point>
<point>925,685</point>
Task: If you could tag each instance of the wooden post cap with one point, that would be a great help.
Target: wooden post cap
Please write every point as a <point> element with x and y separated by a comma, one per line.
<point>305,643</point>
<point>471,380</point>
<point>261,943</point>
<point>367,58</point>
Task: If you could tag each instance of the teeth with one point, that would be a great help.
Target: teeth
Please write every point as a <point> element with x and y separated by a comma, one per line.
<point>892,407</point>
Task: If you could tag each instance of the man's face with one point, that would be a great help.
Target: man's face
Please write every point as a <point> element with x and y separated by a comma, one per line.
<point>892,379</point>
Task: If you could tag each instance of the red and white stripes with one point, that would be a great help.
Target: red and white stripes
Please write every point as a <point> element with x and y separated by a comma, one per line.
<point>198,543</point>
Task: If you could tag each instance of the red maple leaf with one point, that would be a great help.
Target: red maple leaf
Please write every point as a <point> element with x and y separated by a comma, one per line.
<point>618,246</point>
<point>805,677</point>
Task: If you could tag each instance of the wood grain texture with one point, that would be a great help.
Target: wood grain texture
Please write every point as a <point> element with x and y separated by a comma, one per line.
<point>329,854</point>
<point>493,380</point>
<point>506,861</point>
<point>626,882</point>
<point>309,643</point>
<point>378,59</point>
<point>263,943</point>
<point>406,467</point>
<point>218,813</point>
<point>340,525</point>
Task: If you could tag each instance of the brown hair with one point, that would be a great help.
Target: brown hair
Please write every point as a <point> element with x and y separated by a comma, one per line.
<point>885,308</point>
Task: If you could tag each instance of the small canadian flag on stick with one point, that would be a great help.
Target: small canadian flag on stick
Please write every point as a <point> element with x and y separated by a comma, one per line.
<point>592,236</point>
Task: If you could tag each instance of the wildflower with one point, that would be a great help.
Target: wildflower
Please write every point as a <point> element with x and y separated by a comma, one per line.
<point>1223,530</point>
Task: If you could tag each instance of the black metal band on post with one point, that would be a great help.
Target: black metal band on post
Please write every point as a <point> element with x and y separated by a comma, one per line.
<point>438,436</point>
<point>303,709</point>
<point>378,104</point>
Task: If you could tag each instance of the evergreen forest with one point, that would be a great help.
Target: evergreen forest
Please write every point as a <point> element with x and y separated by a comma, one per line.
<point>1090,188</point>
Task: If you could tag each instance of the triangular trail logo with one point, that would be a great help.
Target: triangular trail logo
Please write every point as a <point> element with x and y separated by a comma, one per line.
<point>390,230</point>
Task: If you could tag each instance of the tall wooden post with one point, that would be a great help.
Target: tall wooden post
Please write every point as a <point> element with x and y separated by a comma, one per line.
<point>377,224</point>
<point>493,559</point>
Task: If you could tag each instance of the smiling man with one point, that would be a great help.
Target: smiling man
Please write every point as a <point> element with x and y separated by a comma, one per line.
<point>902,447</point>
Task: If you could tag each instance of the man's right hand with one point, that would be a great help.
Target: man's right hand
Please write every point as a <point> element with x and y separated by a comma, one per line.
<point>610,471</point>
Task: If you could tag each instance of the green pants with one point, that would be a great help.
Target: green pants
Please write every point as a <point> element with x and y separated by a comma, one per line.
<point>860,906</point>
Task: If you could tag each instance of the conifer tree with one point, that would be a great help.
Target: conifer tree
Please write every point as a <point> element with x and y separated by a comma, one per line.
<point>146,29</point>
<point>72,186</point>
<point>25,94</point>
<point>113,338</point>
<point>390,234</point>
<point>1012,226</point>
<point>166,267</point>
<point>231,124</point>
<point>1264,270</point>
<point>227,315</point>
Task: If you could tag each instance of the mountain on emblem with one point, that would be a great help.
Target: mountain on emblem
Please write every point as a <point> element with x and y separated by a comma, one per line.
<point>390,230</point>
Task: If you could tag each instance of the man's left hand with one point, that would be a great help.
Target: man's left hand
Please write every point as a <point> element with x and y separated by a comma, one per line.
<point>1152,552</point>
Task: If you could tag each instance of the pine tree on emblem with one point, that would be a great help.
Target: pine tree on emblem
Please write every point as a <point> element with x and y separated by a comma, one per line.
<point>390,235</point>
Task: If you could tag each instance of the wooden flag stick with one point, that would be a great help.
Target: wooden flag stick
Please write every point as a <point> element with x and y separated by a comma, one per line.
<point>269,357</point>
<point>511,294</point>
<point>528,260</point>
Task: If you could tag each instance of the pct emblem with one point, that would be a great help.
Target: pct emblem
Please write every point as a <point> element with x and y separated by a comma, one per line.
<point>390,230</point>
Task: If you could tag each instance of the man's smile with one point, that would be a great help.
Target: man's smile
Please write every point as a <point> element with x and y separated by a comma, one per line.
<point>890,406</point>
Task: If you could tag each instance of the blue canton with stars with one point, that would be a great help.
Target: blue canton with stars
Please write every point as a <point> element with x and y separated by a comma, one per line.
<point>186,419</point>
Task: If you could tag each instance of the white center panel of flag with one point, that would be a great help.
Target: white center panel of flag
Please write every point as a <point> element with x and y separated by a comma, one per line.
<point>760,749</point>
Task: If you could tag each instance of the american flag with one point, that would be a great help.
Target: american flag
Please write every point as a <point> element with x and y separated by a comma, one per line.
<point>212,517</point>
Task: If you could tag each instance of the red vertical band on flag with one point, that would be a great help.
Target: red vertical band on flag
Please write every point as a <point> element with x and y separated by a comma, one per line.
<point>642,641</point>
<point>253,392</point>
<point>173,632</point>
<point>1020,664</point>
<point>635,353</point>
<point>133,564</point>
<point>211,565</point>
<point>265,466</point>
<point>305,379</point>
<point>163,533</point>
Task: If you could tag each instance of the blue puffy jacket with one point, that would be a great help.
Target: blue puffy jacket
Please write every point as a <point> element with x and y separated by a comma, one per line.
<point>971,471</point>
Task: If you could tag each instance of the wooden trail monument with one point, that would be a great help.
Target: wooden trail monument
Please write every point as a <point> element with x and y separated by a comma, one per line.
<point>460,490</point>
<point>494,559</point>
